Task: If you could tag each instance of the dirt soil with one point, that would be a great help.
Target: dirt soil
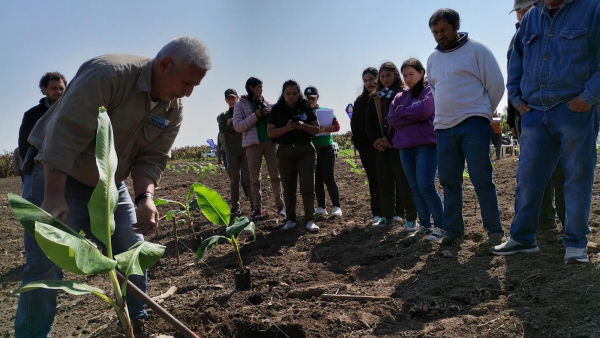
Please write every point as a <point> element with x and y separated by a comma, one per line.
<point>430,291</point>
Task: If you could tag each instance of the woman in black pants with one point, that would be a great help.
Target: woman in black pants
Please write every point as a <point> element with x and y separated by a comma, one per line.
<point>292,123</point>
<point>396,196</point>
<point>361,141</point>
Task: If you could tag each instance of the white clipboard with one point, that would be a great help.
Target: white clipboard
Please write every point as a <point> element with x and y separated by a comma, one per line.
<point>325,117</point>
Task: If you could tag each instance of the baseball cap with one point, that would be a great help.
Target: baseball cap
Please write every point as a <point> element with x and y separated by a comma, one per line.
<point>230,92</point>
<point>520,4</point>
<point>311,91</point>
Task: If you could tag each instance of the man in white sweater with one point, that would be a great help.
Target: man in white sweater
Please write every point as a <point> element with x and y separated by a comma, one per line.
<point>467,86</point>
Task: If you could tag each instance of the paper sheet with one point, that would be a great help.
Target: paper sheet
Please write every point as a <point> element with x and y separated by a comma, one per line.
<point>325,117</point>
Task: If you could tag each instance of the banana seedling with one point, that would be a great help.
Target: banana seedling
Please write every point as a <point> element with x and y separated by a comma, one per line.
<point>216,210</point>
<point>73,252</point>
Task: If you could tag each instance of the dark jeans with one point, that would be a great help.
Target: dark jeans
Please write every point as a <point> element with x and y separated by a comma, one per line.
<point>325,173</point>
<point>367,158</point>
<point>295,163</point>
<point>420,166</point>
<point>394,191</point>
<point>470,141</point>
<point>237,163</point>
<point>558,134</point>
<point>555,191</point>
<point>497,142</point>
<point>224,160</point>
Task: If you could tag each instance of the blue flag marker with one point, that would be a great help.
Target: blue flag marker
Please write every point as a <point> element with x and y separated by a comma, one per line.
<point>349,110</point>
<point>211,143</point>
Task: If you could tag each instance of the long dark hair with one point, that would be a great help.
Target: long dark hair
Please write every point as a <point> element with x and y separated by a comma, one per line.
<point>416,90</point>
<point>391,67</point>
<point>252,82</point>
<point>302,102</point>
<point>373,71</point>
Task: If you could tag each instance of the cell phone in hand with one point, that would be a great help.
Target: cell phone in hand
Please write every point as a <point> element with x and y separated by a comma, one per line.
<point>295,118</point>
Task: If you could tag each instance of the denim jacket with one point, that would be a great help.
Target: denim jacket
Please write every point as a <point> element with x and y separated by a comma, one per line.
<point>555,60</point>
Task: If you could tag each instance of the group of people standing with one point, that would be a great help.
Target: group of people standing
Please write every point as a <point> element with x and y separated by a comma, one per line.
<point>435,119</point>
<point>284,134</point>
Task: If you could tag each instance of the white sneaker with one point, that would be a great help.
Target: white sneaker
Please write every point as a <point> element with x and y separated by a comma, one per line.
<point>311,226</point>
<point>289,225</point>
<point>375,219</point>
<point>320,211</point>
<point>397,219</point>
<point>336,211</point>
<point>575,255</point>
<point>436,235</point>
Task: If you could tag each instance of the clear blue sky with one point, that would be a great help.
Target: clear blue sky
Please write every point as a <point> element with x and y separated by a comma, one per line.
<point>318,42</point>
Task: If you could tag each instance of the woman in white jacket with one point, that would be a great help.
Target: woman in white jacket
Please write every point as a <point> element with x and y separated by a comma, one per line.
<point>250,119</point>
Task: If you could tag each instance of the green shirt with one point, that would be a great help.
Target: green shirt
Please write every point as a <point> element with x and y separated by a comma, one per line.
<point>322,141</point>
<point>261,127</point>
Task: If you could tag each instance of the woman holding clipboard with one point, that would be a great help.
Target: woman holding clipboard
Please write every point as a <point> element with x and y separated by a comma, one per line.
<point>325,171</point>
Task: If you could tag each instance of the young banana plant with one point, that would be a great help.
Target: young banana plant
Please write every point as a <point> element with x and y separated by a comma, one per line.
<point>75,253</point>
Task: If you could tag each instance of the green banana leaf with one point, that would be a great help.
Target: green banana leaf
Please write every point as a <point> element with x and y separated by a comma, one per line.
<point>103,203</point>
<point>28,213</point>
<point>70,252</point>
<point>211,241</point>
<point>241,224</point>
<point>212,205</point>
<point>139,257</point>
<point>71,286</point>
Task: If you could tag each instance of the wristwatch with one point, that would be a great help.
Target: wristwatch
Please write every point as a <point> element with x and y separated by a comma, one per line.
<point>142,196</point>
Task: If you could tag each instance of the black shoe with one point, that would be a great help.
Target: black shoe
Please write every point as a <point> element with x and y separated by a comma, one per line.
<point>235,211</point>
<point>449,241</point>
<point>256,214</point>
<point>138,327</point>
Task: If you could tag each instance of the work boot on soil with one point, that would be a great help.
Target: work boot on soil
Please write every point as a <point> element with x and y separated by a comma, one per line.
<point>494,240</point>
<point>289,225</point>
<point>256,214</point>
<point>576,255</point>
<point>336,212</point>
<point>312,227</point>
<point>320,211</point>
<point>281,211</point>
<point>548,225</point>
<point>436,235</point>
<point>449,241</point>
<point>421,232</point>
<point>512,247</point>
<point>410,226</point>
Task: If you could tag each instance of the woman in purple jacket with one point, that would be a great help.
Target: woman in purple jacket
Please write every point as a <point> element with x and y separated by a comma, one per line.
<point>411,114</point>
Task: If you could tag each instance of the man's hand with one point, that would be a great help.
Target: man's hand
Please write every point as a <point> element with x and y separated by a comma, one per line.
<point>513,130</point>
<point>523,108</point>
<point>56,205</point>
<point>229,121</point>
<point>578,105</point>
<point>387,143</point>
<point>147,217</point>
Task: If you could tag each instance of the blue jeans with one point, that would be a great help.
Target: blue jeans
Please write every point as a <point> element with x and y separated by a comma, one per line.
<point>36,309</point>
<point>550,136</point>
<point>470,141</point>
<point>420,166</point>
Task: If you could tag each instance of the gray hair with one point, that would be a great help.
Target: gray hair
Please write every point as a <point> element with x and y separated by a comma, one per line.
<point>184,51</point>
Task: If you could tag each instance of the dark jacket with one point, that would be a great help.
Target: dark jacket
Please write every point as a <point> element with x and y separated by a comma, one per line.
<point>511,111</point>
<point>30,118</point>
<point>376,124</point>
<point>358,121</point>
<point>233,139</point>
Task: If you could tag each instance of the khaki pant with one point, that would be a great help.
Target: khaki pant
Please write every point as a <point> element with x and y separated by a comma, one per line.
<point>236,160</point>
<point>298,162</point>
<point>254,154</point>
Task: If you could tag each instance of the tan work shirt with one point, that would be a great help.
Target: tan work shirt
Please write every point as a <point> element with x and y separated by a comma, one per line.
<point>66,134</point>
